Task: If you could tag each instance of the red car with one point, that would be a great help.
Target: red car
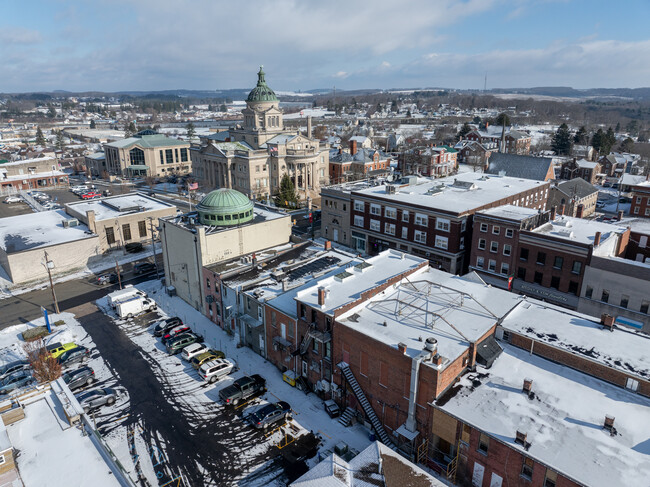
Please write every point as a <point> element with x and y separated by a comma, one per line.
<point>175,331</point>
<point>90,196</point>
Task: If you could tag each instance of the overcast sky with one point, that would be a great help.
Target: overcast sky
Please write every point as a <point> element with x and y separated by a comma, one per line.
<point>112,45</point>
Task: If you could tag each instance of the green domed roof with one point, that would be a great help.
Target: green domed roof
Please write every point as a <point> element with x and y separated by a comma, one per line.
<point>224,207</point>
<point>261,92</point>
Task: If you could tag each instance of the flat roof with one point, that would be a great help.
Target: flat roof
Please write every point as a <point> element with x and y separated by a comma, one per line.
<point>511,212</point>
<point>261,214</point>
<point>115,206</point>
<point>624,350</point>
<point>582,231</point>
<point>35,230</point>
<point>563,422</point>
<point>431,304</point>
<point>458,194</point>
<point>52,455</point>
<point>30,161</point>
<point>356,278</point>
<point>639,225</point>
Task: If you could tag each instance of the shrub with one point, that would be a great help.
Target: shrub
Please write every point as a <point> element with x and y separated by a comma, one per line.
<point>35,333</point>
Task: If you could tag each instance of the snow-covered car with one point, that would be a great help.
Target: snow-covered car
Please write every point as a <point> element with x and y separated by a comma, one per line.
<point>13,199</point>
<point>16,380</point>
<point>96,398</point>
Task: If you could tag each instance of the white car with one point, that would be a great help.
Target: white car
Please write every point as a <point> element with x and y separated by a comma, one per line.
<point>193,350</point>
<point>13,199</point>
<point>216,369</point>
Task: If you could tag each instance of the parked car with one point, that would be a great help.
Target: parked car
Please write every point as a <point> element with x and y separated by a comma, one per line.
<point>175,332</point>
<point>106,192</point>
<point>13,367</point>
<point>103,279</point>
<point>144,268</point>
<point>332,408</point>
<point>112,277</point>
<point>16,381</point>
<point>600,204</point>
<point>269,414</point>
<point>133,247</point>
<point>83,376</point>
<point>90,195</point>
<point>13,199</point>
<point>96,398</point>
<point>58,348</point>
<point>178,343</point>
<point>162,327</point>
<point>243,389</point>
<point>214,370</point>
<point>73,356</point>
<point>199,360</point>
<point>193,350</point>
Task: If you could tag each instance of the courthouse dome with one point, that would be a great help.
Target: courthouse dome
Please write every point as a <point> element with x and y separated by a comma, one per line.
<point>224,207</point>
<point>261,92</point>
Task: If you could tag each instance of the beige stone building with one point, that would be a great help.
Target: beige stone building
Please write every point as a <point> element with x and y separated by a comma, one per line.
<point>575,198</point>
<point>253,157</point>
<point>147,155</point>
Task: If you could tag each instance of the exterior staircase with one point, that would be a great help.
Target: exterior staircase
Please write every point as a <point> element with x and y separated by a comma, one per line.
<point>361,397</point>
<point>304,345</point>
<point>346,417</point>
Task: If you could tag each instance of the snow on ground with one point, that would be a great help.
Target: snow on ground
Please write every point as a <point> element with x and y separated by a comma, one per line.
<point>306,112</point>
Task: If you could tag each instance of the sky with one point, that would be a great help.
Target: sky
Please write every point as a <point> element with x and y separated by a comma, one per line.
<point>115,45</point>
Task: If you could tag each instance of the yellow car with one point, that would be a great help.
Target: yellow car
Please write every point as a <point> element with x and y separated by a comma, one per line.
<point>206,357</point>
<point>57,349</point>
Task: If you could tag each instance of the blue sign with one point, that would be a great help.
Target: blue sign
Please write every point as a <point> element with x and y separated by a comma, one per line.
<point>47,320</point>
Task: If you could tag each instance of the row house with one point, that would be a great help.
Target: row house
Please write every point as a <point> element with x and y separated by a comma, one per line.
<point>508,140</point>
<point>613,165</point>
<point>430,161</point>
<point>474,153</point>
<point>433,218</point>
<point>581,168</point>
<point>640,206</point>
<point>358,164</point>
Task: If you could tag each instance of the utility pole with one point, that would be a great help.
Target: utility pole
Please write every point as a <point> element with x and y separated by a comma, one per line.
<point>153,246</point>
<point>117,271</point>
<point>49,265</point>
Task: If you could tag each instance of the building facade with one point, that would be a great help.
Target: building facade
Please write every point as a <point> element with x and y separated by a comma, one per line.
<point>577,197</point>
<point>640,200</point>
<point>31,174</point>
<point>436,162</point>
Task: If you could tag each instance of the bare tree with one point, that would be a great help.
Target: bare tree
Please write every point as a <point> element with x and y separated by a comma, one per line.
<point>45,367</point>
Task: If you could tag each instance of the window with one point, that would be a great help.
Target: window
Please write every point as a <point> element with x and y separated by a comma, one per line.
<point>483,443</point>
<point>463,225</point>
<point>521,273</point>
<point>184,154</point>
<point>632,384</point>
<point>442,224</point>
<point>625,300</point>
<point>358,221</point>
<point>375,209</point>
<point>573,287</point>
<point>484,227</point>
<point>421,219</point>
<point>359,205</point>
<point>538,277</point>
<point>479,262</point>
<point>110,235</point>
<point>390,213</point>
<point>527,468</point>
<point>507,249</point>
<point>644,307</point>
<point>405,216</point>
<point>494,246</point>
<point>462,243</point>
<point>509,232</point>
<point>405,233</point>
<point>303,311</point>
<point>557,263</point>
<point>550,479</point>
<point>541,258</point>
<point>314,347</point>
<point>126,231</point>
<point>523,254</point>
<point>638,200</point>
<point>496,230</point>
<point>169,155</point>
<point>442,242</point>
<point>505,268</point>
<point>375,225</point>
<point>577,267</point>
<point>142,228</point>
<point>555,282</point>
<point>389,228</point>
<point>481,244</point>
<point>589,292</point>
<point>492,265</point>
<point>605,296</point>
<point>420,237</point>
<point>162,157</point>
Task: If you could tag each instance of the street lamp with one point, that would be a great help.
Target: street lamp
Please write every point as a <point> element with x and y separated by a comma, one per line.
<point>49,265</point>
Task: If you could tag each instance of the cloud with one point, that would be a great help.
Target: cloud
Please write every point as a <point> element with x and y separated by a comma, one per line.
<point>19,35</point>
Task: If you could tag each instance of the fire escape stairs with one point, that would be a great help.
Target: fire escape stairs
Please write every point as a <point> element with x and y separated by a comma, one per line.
<point>361,397</point>
<point>304,345</point>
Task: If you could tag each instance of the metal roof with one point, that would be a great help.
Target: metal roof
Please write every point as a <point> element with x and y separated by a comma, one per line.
<point>516,166</point>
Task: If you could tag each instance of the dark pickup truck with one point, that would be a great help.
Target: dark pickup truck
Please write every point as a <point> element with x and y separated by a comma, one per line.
<point>242,389</point>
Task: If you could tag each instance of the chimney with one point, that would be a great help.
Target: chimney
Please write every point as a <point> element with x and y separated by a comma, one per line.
<point>353,147</point>
<point>553,213</point>
<point>609,422</point>
<point>401,347</point>
<point>580,210</point>
<point>328,245</point>
<point>562,210</point>
<point>321,296</point>
<point>597,239</point>
<point>309,127</point>
<point>620,215</point>
<point>285,284</point>
<point>521,438</point>
<point>528,386</point>
<point>607,321</point>
<point>437,359</point>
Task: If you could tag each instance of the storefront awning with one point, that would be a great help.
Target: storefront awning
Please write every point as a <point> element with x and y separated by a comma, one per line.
<point>138,167</point>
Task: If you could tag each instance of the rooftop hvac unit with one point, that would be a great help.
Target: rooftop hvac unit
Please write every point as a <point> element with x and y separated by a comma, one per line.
<point>72,222</point>
<point>391,189</point>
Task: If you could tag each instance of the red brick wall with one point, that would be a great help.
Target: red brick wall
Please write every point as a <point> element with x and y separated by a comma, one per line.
<point>640,203</point>
<point>273,329</point>
<point>214,290</point>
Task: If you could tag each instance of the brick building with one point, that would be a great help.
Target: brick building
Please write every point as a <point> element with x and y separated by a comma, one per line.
<point>581,168</point>
<point>508,140</point>
<point>474,153</point>
<point>577,196</point>
<point>613,165</point>
<point>640,200</point>
<point>433,218</point>
<point>638,248</point>
<point>358,164</point>
<point>28,174</point>
<point>435,162</point>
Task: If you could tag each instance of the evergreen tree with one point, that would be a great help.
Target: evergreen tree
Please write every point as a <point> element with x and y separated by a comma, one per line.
<point>501,118</point>
<point>463,131</point>
<point>393,106</point>
<point>190,131</point>
<point>40,138</point>
<point>476,120</point>
<point>627,145</point>
<point>287,196</point>
<point>92,124</point>
<point>618,127</point>
<point>51,113</point>
<point>561,142</point>
<point>223,108</point>
<point>60,141</point>
<point>610,137</point>
<point>580,137</point>
<point>408,113</point>
<point>129,130</point>
<point>597,140</point>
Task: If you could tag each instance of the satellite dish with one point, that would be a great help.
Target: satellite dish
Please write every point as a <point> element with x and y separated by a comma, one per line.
<point>390,178</point>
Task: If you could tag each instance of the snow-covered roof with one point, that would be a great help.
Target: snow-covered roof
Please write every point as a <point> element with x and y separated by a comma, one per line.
<point>582,335</point>
<point>431,304</point>
<point>632,180</point>
<point>563,421</point>
<point>510,212</point>
<point>585,164</point>
<point>27,232</point>
<point>458,194</point>
<point>116,206</point>
<point>357,278</point>
<point>583,231</point>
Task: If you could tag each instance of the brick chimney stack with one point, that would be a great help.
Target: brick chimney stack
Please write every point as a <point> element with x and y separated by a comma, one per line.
<point>328,245</point>
<point>321,296</point>
<point>528,386</point>
<point>609,422</point>
<point>607,321</point>
<point>597,239</point>
<point>553,213</point>
<point>402,347</point>
<point>562,210</point>
<point>353,147</point>
<point>620,215</point>
<point>579,211</point>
